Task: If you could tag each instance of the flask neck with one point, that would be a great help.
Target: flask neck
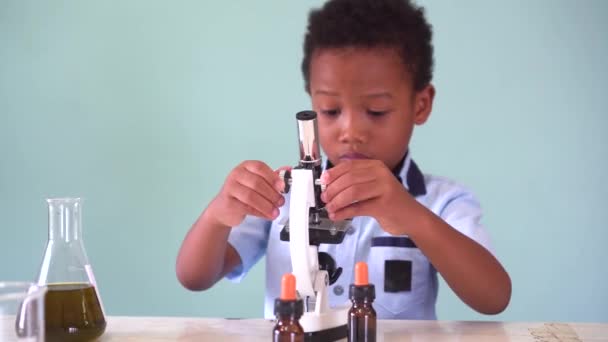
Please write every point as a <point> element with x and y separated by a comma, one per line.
<point>65,219</point>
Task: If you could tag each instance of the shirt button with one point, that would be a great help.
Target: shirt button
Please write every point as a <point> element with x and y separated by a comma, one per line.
<point>350,230</point>
<point>338,290</point>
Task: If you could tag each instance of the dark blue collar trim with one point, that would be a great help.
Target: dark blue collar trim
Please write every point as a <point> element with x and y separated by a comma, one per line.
<point>415,180</point>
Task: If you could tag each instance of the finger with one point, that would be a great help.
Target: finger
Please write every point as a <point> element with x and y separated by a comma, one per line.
<point>264,171</point>
<point>354,177</point>
<point>343,167</point>
<point>363,208</point>
<point>253,199</point>
<point>356,193</point>
<point>252,211</point>
<point>246,209</point>
<point>259,185</point>
<point>286,167</point>
<point>355,209</point>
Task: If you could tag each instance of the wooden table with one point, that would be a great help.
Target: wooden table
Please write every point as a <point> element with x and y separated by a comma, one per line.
<point>251,330</point>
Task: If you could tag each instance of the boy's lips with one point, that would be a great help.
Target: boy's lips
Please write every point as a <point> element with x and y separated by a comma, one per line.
<point>353,155</point>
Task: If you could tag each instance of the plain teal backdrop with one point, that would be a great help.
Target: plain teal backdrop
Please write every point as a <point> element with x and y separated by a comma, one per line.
<point>142,108</point>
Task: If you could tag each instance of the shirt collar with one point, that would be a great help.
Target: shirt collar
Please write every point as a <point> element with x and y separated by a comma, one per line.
<point>405,169</point>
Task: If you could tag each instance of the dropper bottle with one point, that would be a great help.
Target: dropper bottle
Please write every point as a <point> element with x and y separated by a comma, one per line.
<point>362,316</point>
<point>288,310</point>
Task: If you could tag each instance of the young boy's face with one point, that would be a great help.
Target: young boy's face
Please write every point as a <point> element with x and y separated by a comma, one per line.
<point>366,103</point>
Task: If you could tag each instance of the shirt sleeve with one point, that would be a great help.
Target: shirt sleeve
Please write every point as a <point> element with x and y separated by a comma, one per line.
<point>463,212</point>
<point>250,240</point>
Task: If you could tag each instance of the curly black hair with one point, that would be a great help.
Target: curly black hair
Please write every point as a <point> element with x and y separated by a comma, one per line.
<point>397,24</point>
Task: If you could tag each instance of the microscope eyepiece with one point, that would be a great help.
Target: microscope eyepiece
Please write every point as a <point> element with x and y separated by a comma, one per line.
<point>306,115</point>
<point>310,152</point>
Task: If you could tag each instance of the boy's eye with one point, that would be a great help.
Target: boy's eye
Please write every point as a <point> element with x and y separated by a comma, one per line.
<point>330,112</point>
<point>376,113</point>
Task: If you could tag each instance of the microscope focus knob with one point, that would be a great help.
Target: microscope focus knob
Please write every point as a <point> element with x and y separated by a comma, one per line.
<point>323,186</point>
<point>285,175</point>
<point>327,263</point>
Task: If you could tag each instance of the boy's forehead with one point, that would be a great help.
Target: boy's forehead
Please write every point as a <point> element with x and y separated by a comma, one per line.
<point>358,66</point>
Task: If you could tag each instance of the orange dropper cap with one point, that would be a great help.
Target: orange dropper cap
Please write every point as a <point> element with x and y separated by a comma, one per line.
<point>288,287</point>
<point>361,274</point>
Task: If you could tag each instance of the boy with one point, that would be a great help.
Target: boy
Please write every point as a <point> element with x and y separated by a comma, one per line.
<point>367,66</point>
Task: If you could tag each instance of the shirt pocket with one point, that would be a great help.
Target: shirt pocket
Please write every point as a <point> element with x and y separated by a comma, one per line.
<point>399,271</point>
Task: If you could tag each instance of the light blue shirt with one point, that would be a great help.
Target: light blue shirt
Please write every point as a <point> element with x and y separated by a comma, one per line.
<point>405,281</point>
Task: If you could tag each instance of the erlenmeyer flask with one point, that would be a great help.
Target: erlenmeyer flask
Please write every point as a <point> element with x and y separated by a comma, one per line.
<point>73,309</point>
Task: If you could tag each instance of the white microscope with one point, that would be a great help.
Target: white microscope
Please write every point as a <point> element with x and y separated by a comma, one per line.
<point>307,227</point>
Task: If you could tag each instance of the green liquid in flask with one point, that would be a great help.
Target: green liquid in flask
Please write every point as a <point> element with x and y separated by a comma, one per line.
<point>72,313</point>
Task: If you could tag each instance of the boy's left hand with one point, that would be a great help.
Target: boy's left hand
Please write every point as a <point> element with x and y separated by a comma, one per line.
<point>366,188</point>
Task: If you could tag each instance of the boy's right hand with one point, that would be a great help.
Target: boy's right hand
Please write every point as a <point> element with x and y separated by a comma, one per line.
<point>251,188</point>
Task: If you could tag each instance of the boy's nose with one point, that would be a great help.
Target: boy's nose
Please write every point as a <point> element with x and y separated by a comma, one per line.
<point>352,129</point>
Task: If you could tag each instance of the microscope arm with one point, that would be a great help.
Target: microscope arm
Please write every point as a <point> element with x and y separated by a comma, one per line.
<point>312,283</point>
<point>304,257</point>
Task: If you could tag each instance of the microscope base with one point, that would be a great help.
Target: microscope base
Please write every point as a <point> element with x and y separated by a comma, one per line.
<point>339,333</point>
<point>327,326</point>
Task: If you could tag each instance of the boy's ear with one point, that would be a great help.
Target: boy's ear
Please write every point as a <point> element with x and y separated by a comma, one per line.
<point>423,104</point>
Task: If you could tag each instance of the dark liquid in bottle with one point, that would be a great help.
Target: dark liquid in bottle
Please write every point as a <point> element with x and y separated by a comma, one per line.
<point>362,325</point>
<point>72,313</point>
<point>288,331</point>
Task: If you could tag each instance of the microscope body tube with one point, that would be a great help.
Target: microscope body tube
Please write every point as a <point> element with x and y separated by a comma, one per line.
<point>308,142</point>
<point>310,154</point>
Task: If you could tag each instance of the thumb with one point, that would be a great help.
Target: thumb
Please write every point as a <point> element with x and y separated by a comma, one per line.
<point>283,168</point>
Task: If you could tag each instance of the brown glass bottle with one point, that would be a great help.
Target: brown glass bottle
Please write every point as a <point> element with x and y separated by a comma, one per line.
<point>288,329</point>
<point>361,316</point>
<point>288,311</point>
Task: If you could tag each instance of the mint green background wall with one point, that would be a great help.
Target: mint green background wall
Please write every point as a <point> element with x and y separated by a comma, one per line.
<point>142,107</point>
